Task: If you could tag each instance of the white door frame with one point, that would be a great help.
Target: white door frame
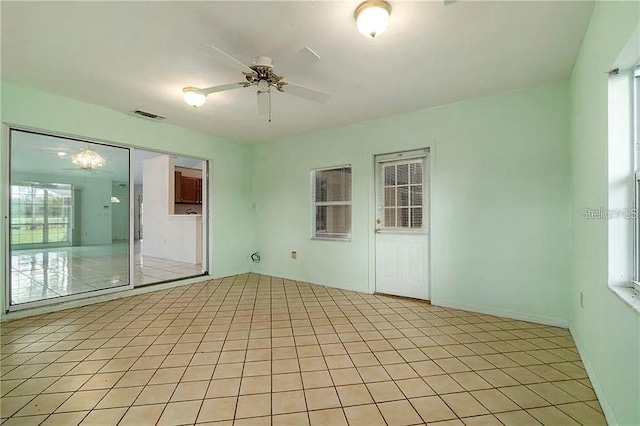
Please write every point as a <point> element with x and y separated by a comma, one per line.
<point>371,214</point>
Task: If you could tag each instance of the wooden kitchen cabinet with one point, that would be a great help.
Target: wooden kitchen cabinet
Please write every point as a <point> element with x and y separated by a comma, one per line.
<point>188,189</point>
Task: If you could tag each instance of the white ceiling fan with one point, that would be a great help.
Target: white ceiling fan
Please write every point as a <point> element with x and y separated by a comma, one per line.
<point>260,74</point>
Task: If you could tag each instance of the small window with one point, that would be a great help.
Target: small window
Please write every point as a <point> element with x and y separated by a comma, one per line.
<point>331,199</point>
<point>115,200</point>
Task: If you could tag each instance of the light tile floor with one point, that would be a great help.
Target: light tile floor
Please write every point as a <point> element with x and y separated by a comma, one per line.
<point>38,274</point>
<point>256,350</point>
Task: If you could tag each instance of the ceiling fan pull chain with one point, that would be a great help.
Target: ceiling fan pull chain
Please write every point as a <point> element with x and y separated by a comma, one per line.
<point>269,105</point>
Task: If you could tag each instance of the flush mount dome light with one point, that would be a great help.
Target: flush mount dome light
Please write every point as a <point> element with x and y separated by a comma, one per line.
<point>193,96</point>
<point>372,17</point>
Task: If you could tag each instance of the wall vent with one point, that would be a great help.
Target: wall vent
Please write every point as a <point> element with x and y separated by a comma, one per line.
<point>147,115</point>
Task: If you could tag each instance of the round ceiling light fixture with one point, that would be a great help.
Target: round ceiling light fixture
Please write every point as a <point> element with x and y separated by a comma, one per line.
<point>372,17</point>
<point>194,97</point>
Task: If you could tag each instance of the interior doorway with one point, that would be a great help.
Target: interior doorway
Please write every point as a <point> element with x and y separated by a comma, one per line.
<point>170,204</point>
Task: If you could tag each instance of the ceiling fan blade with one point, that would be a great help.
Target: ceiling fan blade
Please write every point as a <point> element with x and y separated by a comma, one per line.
<point>305,93</point>
<point>222,88</point>
<point>263,103</point>
<point>228,60</point>
<point>300,61</point>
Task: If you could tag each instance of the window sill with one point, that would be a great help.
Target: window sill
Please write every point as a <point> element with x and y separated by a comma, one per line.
<point>342,240</point>
<point>628,295</point>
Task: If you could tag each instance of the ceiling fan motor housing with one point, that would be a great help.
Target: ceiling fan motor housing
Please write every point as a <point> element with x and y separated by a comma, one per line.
<point>263,72</point>
<point>263,61</point>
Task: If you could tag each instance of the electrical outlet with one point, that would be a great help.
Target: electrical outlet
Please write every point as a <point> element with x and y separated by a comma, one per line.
<point>581,300</point>
<point>294,255</point>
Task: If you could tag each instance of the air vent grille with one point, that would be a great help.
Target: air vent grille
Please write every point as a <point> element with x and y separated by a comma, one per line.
<point>147,115</point>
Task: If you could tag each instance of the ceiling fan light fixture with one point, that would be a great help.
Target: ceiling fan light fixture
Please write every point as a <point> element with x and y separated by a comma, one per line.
<point>194,97</point>
<point>372,17</point>
<point>88,159</point>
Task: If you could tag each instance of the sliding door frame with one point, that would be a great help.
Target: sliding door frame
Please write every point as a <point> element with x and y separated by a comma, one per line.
<point>5,191</point>
<point>7,215</point>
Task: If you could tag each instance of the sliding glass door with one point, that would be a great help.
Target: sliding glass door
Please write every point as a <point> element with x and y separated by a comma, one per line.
<point>69,219</point>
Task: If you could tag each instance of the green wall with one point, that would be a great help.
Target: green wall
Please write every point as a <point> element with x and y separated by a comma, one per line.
<point>230,162</point>
<point>606,329</point>
<point>511,174</point>
<point>500,203</point>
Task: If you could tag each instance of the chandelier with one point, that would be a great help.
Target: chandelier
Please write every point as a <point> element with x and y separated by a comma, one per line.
<point>88,159</point>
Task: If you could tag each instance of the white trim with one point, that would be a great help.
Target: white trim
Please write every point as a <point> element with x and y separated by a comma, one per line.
<point>595,383</point>
<point>131,224</point>
<point>303,280</point>
<point>635,143</point>
<point>322,169</point>
<point>506,313</point>
<point>5,191</point>
<point>338,239</point>
<point>333,203</point>
<point>629,295</point>
<point>206,215</point>
<point>402,155</point>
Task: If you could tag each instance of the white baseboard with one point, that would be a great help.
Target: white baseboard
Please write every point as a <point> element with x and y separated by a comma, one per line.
<point>595,383</point>
<point>540,319</point>
<point>291,277</point>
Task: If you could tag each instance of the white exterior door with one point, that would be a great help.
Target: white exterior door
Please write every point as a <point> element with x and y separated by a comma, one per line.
<point>402,224</point>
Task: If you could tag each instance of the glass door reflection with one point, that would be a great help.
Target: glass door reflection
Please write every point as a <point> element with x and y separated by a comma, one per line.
<point>69,218</point>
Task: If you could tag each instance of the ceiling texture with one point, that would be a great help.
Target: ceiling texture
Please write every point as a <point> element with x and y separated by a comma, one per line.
<point>139,55</point>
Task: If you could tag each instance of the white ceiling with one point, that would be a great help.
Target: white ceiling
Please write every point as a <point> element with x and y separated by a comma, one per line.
<point>139,55</point>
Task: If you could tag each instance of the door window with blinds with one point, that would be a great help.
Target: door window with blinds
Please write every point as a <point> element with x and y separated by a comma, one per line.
<point>331,203</point>
<point>401,200</point>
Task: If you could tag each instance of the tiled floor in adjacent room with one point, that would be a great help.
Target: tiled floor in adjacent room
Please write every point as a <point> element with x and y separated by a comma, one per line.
<point>48,273</point>
<point>256,350</point>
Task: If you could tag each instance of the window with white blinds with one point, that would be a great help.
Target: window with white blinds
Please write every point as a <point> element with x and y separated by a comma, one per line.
<point>403,187</point>
<point>331,199</point>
